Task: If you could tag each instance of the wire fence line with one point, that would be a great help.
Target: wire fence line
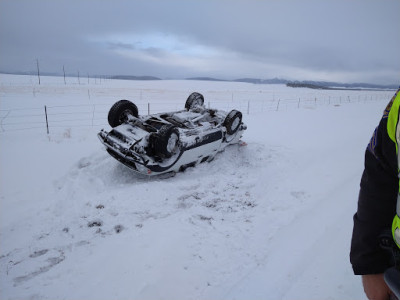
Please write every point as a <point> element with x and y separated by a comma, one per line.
<point>53,117</point>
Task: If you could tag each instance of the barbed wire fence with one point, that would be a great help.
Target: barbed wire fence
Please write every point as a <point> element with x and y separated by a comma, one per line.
<point>60,117</point>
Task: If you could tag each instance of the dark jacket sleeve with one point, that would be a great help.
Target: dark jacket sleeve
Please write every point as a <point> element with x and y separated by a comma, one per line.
<point>376,204</point>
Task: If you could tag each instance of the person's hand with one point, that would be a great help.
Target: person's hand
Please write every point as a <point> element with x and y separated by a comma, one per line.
<point>375,287</point>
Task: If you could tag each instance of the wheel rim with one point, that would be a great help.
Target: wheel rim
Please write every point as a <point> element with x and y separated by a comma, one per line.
<point>235,124</point>
<point>172,143</point>
<point>124,115</point>
<point>196,103</point>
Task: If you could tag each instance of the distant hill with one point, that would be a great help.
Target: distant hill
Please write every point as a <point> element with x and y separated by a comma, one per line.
<point>129,77</point>
<point>335,85</point>
<point>327,85</point>
<point>205,79</point>
<point>307,85</point>
<point>318,84</point>
<point>31,73</point>
<point>294,84</point>
<point>262,81</point>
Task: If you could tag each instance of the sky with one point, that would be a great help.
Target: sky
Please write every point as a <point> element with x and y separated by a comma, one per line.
<point>331,40</point>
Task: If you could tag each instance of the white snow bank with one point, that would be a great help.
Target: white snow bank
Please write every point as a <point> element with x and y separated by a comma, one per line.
<point>270,220</point>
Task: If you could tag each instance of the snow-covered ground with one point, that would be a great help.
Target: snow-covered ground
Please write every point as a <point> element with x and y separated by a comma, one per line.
<point>270,220</point>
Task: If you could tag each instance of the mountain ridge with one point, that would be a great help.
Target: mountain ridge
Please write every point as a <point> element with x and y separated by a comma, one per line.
<point>290,83</point>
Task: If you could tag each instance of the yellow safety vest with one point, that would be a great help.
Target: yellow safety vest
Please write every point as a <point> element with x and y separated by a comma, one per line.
<point>393,129</point>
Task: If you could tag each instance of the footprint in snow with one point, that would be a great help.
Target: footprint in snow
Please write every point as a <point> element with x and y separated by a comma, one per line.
<point>83,163</point>
<point>36,264</point>
<point>95,223</point>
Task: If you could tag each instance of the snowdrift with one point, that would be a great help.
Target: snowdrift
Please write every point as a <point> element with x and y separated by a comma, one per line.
<point>270,220</point>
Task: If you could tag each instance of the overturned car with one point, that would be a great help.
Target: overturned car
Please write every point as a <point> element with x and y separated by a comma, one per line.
<point>169,142</point>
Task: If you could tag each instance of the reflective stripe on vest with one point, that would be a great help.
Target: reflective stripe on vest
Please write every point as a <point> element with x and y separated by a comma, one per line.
<point>393,129</point>
<point>396,230</point>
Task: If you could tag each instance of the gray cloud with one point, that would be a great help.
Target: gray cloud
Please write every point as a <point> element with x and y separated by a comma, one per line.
<point>337,40</point>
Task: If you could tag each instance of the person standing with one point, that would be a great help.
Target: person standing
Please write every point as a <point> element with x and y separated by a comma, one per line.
<point>377,201</point>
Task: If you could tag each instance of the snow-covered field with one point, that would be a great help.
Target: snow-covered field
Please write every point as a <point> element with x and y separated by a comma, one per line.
<point>270,220</point>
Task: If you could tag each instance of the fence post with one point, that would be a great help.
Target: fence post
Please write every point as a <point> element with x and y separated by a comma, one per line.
<point>47,121</point>
<point>94,108</point>
<point>38,71</point>
<point>277,107</point>
<point>248,107</point>
<point>1,122</point>
<point>148,108</point>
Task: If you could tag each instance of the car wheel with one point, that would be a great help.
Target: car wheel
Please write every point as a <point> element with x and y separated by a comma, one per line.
<point>233,121</point>
<point>120,111</point>
<point>165,142</point>
<point>194,100</point>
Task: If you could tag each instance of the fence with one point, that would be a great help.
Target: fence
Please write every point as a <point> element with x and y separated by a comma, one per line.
<point>53,117</point>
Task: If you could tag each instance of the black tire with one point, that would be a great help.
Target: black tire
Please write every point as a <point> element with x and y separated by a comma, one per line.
<point>194,100</point>
<point>165,142</point>
<point>232,121</point>
<point>119,112</point>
